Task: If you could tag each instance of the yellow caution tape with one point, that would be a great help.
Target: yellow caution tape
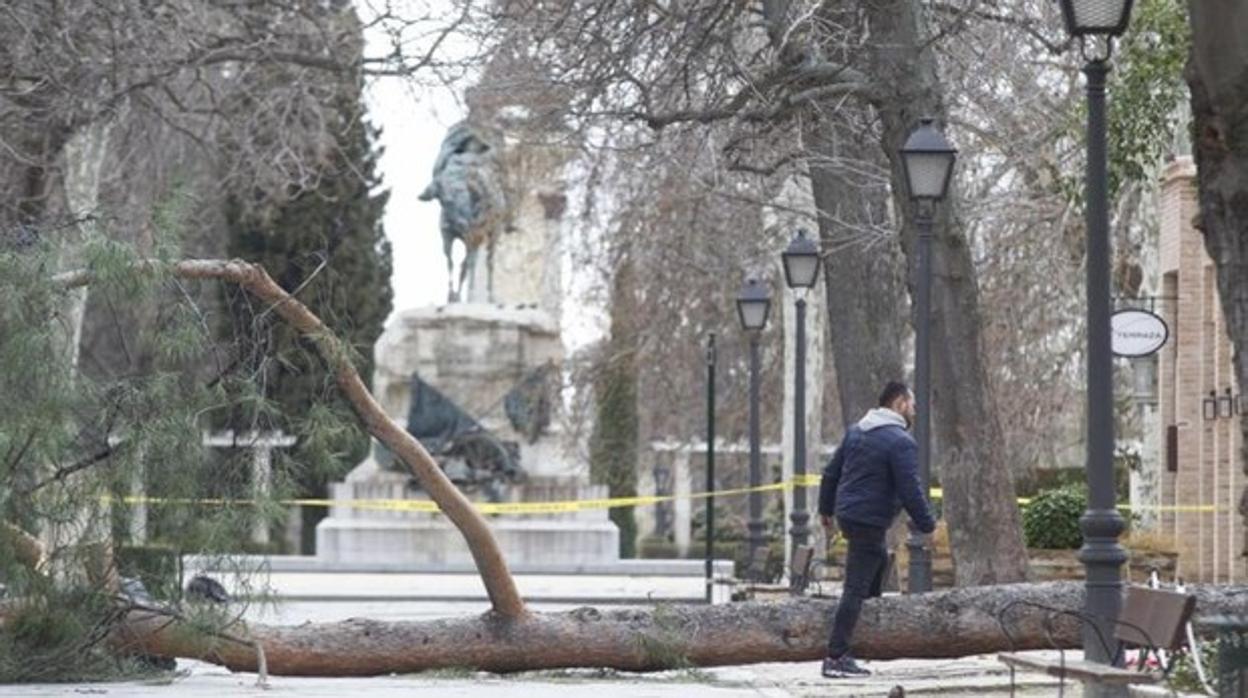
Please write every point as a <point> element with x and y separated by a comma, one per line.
<point>560,507</point>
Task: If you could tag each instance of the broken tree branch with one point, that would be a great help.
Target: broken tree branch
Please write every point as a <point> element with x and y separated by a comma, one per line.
<point>499,584</point>
<point>26,548</point>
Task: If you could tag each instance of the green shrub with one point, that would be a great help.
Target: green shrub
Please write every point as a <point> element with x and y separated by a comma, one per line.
<point>1184,678</point>
<point>1051,520</point>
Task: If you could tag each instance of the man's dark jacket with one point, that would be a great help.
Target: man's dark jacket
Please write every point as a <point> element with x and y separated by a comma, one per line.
<point>874,474</point>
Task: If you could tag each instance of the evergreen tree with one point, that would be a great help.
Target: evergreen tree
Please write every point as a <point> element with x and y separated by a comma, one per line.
<point>326,244</point>
<point>613,443</point>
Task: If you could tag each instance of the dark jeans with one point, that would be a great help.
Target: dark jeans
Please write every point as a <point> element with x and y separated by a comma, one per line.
<point>864,579</point>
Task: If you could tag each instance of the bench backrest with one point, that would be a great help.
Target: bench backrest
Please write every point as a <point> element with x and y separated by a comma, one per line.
<point>1154,618</point>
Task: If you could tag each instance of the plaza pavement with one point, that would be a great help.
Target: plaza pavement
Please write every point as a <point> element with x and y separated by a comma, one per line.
<point>976,676</point>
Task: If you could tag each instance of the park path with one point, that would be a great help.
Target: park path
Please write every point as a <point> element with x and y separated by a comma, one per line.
<point>975,676</point>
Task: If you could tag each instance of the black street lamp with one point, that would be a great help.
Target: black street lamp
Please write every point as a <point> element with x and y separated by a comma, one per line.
<point>753,307</point>
<point>801,270</point>
<point>712,357</point>
<point>927,158</point>
<point>1101,554</point>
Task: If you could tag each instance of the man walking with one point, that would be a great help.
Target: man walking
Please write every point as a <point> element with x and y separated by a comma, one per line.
<point>872,476</point>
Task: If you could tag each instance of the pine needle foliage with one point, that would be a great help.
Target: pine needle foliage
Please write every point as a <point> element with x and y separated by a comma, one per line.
<point>74,446</point>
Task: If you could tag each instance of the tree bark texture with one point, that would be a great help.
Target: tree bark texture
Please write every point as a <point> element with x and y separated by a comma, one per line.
<point>499,584</point>
<point>1217,73</point>
<point>954,623</point>
<point>864,269</point>
<point>985,532</point>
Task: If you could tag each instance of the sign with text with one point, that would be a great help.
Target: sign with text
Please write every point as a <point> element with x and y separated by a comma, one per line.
<point>1136,333</point>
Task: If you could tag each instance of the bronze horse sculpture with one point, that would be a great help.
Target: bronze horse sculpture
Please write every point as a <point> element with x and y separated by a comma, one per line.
<point>467,184</point>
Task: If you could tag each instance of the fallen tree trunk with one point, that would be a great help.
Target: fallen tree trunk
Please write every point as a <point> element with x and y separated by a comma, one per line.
<point>954,623</point>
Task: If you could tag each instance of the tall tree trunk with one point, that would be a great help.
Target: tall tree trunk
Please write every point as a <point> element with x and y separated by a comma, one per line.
<point>985,533</point>
<point>1217,74</point>
<point>864,268</point>
<point>954,623</point>
<point>72,216</point>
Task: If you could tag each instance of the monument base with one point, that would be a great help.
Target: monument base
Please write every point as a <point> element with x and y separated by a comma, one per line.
<point>371,533</point>
<point>438,542</point>
<point>476,355</point>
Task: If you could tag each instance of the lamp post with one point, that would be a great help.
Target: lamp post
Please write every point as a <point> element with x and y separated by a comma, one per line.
<point>753,307</point>
<point>712,357</point>
<point>927,158</point>
<point>801,270</point>
<point>1095,23</point>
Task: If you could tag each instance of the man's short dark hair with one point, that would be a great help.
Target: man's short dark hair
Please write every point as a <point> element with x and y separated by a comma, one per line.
<point>892,391</point>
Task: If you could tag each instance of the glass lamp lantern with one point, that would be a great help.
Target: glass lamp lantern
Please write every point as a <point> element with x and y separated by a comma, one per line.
<point>927,158</point>
<point>753,305</point>
<point>1096,17</point>
<point>801,261</point>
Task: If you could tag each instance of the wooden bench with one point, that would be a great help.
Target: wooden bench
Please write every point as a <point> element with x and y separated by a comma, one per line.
<point>1151,619</point>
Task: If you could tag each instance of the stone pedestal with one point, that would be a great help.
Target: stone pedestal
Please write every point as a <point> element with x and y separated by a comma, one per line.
<point>353,534</point>
<point>474,354</point>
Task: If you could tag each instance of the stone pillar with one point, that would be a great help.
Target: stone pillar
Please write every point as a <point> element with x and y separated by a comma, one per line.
<point>1146,480</point>
<point>261,484</point>
<point>138,508</point>
<point>1208,431</point>
<point>1182,381</point>
<point>682,488</point>
<point>526,256</point>
<point>646,487</point>
<point>261,445</point>
<point>294,529</point>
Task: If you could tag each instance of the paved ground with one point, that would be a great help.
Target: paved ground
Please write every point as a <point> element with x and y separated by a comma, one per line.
<point>965,677</point>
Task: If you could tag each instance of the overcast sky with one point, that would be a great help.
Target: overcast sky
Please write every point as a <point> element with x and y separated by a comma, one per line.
<point>412,129</point>
<point>413,119</point>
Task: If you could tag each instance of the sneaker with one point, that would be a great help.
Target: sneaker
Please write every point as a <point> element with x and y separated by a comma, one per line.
<point>842,667</point>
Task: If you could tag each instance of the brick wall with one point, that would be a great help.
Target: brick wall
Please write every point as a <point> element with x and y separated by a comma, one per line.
<point>1204,492</point>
